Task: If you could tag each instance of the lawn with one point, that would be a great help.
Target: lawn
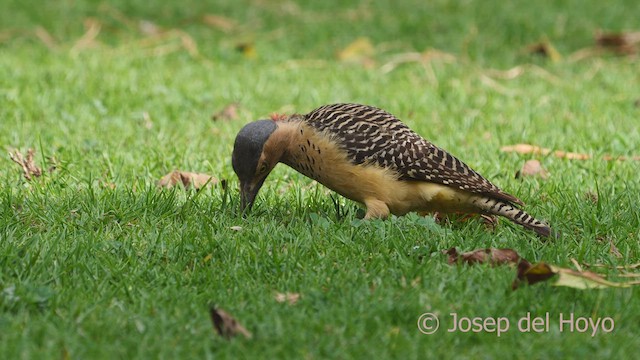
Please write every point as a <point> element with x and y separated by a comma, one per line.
<point>97,262</point>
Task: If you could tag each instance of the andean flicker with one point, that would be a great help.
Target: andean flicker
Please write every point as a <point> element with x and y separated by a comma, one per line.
<point>369,156</point>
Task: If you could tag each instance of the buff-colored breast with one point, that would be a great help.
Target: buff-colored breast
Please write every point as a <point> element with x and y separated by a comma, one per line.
<point>321,158</point>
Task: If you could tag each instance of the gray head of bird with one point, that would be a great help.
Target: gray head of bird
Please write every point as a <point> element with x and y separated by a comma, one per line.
<point>255,154</point>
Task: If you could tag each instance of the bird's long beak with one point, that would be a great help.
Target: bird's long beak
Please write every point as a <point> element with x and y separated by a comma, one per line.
<point>248,194</point>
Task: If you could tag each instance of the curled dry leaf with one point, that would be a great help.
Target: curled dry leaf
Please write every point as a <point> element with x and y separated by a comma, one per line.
<point>544,48</point>
<point>359,51</point>
<point>591,196</point>
<point>228,113</point>
<point>187,179</point>
<point>624,43</point>
<point>29,167</point>
<point>613,250</point>
<point>43,35</point>
<point>290,298</point>
<point>480,256</point>
<point>247,49</point>
<point>226,325</point>
<point>88,40</point>
<point>532,274</point>
<point>532,149</point>
<point>537,150</point>
<point>219,22</point>
<point>619,267</point>
<point>532,168</point>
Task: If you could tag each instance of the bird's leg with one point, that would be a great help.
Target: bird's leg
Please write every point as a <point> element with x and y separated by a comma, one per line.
<point>376,209</point>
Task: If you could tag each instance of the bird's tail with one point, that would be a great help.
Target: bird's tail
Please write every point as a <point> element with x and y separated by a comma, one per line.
<point>496,207</point>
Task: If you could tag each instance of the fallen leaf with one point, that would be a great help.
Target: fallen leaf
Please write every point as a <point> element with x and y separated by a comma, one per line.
<point>613,250</point>
<point>532,149</point>
<point>29,168</point>
<point>425,58</point>
<point>544,48</point>
<point>149,28</point>
<point>229,112</point>
<point>576,264</point>
<point>619,267</point>
<point>532,274</point>
<point>187,179</point>
<point>107,185</point>
<point>592,196</point>
<point>480,256</point>
<point>290,298</point>
<point>532,168</point>
<point>92,30</point>
<point>359,51</point>
<point>219,22</point>
<point>148,124</point>
<point>625,43</point>
<point>53,162</point>
<point>226,325</point>
<point>43,35</point>
<point>537,150</point>
<point>247,49</point>
<point>630,275</point>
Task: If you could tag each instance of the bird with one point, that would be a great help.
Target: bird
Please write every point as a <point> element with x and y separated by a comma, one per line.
<point>368,155</point>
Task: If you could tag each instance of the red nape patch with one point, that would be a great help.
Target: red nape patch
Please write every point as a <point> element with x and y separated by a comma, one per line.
<point>278,117</point>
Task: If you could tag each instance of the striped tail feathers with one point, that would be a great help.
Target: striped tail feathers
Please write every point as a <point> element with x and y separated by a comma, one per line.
<point>497,207</point>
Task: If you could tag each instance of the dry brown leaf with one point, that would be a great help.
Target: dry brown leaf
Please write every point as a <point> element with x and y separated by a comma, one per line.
<point>532,168</point>
<point>571,155</point>
<point>480,256</point>
<point>290,298</point>
<point>148,123</point>
<point>630,275</point>
<point>613,250</point>
<point>187,179</point>
<point>544,48</point>
<point>576,264</point>
<point>425,58</point>
<point>226,325</point>
<point>43,35</point>
<point>533,149</point>
<point>525,149</point>
<point>229,112</point>
<point>92,30</point>
<point>359,51</point>
<point>149,28</point>
<point>537,150</point>
<point>29,167</point>
<point>592,196</point>
<point>624,43</point>
<point>532,274</point>
<point>619,267</point>
<point>247,49</point>
<point>219,22</point>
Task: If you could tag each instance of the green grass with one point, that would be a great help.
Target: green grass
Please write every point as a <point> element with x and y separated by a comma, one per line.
<point>96,262</point>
